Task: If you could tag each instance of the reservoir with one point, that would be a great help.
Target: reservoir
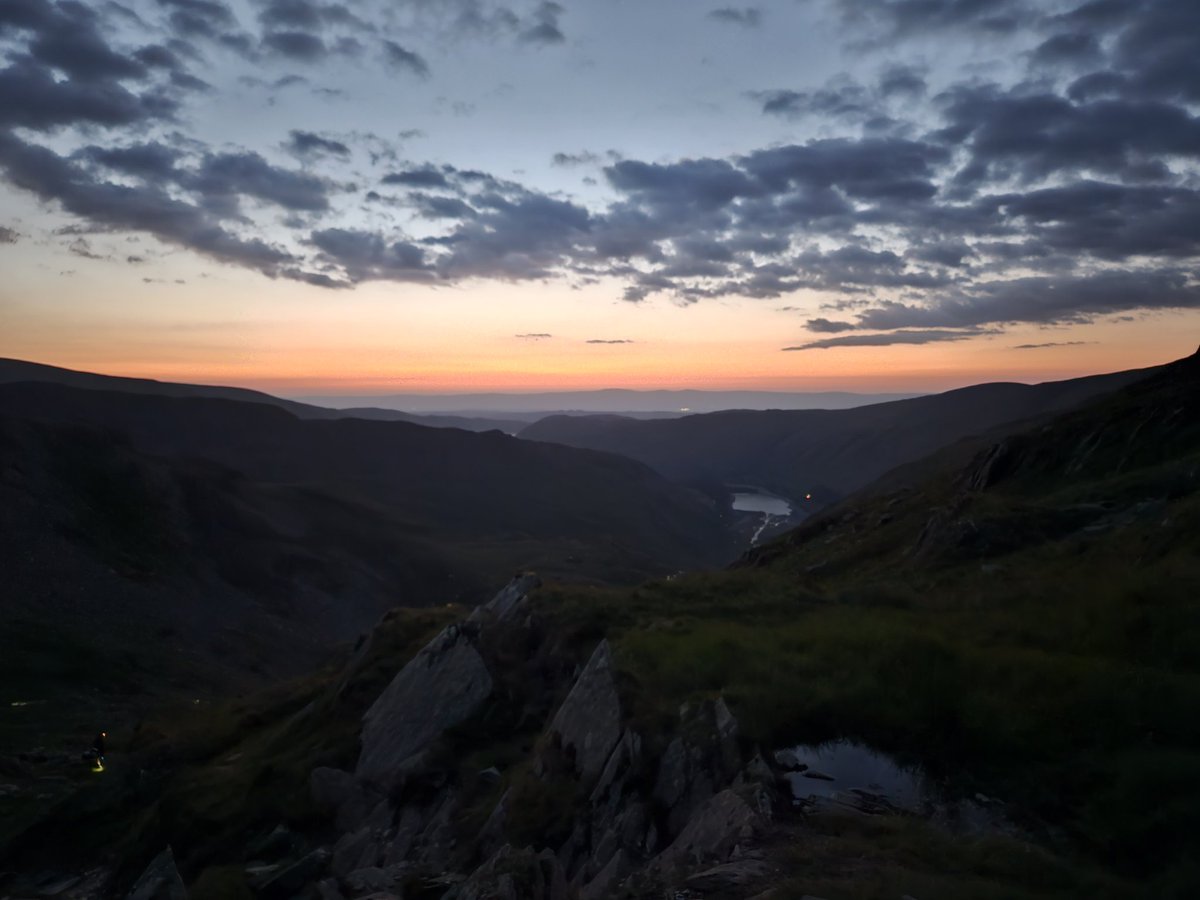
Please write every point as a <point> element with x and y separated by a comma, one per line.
<point>768,505</point>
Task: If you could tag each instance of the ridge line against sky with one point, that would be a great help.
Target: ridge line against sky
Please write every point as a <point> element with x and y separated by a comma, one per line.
<point>462,194</point>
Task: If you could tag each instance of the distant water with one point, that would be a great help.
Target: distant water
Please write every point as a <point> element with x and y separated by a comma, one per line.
<point>744,501</point>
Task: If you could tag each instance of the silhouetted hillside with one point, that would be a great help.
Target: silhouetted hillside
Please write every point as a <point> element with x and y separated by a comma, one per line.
<point>828,453</point>
<point>458,487</point>
<point>15,370</point>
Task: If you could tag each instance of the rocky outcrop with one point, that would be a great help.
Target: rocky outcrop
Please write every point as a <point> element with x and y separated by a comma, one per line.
<point>615,799</point>
<point>702,758</point>
<point>160,881</point>
<point>714,835</point>
<point>444,685</point>
<point>588,724</point>
<point>512,874</point>
<point>508,599</point>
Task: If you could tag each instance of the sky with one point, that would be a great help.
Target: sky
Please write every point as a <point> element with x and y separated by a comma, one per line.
<point>375,196</point>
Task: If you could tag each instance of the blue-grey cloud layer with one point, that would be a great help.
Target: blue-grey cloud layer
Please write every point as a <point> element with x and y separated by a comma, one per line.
<point>1070,192</point>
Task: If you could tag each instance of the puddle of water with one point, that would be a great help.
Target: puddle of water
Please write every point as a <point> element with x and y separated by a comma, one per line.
<point>841,767</point>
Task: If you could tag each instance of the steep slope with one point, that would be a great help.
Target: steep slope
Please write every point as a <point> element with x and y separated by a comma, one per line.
<point>15,370</point>
<point>826,453</point>
<point>485,493</point>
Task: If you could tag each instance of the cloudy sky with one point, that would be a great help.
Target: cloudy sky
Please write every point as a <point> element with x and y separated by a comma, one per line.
<point>377,195</point>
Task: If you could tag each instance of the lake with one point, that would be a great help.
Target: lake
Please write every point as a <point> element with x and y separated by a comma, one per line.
<point>768,505</point>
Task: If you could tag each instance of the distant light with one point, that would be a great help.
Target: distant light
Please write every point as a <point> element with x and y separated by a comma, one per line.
<point>685,409</point>
<point>19,703</point>
<point>808,496</point>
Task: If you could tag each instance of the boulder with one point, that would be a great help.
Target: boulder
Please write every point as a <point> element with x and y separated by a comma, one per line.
<point>445,684</point>
<point>589,720</point>
<point>160,881</point>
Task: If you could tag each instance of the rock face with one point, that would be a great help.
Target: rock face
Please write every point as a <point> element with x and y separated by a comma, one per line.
<point>589,721</point>
<point>443,686</point>
<point>160,881</point>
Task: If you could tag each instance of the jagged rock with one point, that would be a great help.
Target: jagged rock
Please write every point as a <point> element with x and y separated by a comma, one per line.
<point>491,836</point>
<point>589,720</point>
<point>511,874</point>
<point>353,805</point>
<point>508,599</point>
<point>442,686</point>
<point>356,850</point>
<point>409,824</point>
<point>369,879</point>
<point>439,837</point>
<point>727,876</point>
<point>622,762</point>
<point>711,835</point>
<point>290,880</point>
<point>279,843</point>
<point>703,757</point>
<point>328,890</point>
<point>331,788</point>
<point>160,881</point>
<point>607,879</point>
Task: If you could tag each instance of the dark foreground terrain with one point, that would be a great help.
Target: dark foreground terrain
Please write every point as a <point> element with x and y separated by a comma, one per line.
<point>1015,616</point>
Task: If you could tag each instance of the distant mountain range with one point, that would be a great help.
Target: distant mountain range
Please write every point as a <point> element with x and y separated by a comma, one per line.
<point>14,370</point>
<point>823,453</point>
<point>612,400</point>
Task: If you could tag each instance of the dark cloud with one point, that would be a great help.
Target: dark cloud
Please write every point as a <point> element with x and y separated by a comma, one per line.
<point>81,247</point>
<point>894,18</point>
<point>585,158</point>
<point>305,15</point>
<point>31,97</point>
<point>545,29</point>
<point>306,144</point>
<point>599,341</point>
<point>8,235</point>
<point>824,326</point>
<point>400,58</point>
<point>1033,136</point>
<point>430,206</point>
<point>365,256</point>
<point>224,177</point>
<point>148,161</point>
<point>297,45</point>
<point>1044,299</point>
<point>746,16</point>
<point>536,336</point>
<point>427,176</point>
<point>842,98</point>
<point>1052,344</point>
<point>900,80</point>
<point>1071,48</point>
<point>891,338</point>
<point>148,208</point>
